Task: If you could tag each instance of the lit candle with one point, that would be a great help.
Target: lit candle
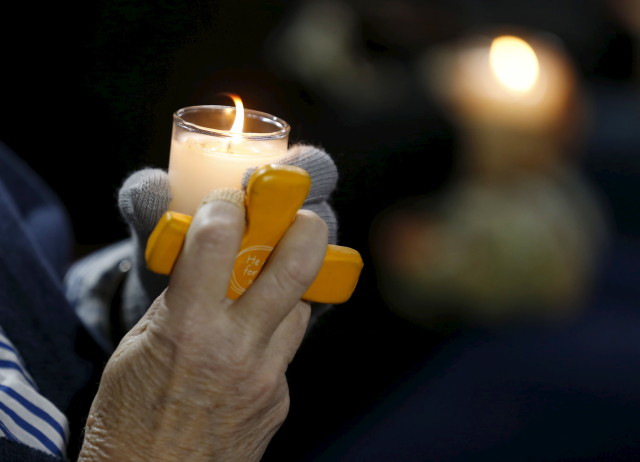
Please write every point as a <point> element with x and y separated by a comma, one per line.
<point>514,101</point>
<point>512,82</point>
<point>213,146</point>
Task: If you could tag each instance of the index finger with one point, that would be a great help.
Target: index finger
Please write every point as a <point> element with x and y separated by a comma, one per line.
<point>203,269</point>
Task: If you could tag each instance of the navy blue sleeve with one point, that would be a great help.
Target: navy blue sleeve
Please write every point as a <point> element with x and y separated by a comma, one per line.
<point>10,451</point>
<point>59,353</point>
<point>42,215</point>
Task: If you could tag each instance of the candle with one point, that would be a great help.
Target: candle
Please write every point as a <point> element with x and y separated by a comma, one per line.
<point>516,236</point>
<point>514,101</point>
<point>510,81</point>
<point>213,146</point>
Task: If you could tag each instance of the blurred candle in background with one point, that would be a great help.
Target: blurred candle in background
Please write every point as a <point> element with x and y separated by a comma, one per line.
<point>513,99</point>
<point>213,146</point>
<point>518,233</point>
<point>514,64</point>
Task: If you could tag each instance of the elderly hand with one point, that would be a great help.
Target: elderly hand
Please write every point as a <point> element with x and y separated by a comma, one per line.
<point>201,377</point>
<point>145,196</point>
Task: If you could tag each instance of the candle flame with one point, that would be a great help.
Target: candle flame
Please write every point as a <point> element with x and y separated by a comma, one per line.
<point>238,123</point>
<point>514,63</point>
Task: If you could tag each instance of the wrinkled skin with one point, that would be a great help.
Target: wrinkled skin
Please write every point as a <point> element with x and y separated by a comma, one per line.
<point>201,377</point>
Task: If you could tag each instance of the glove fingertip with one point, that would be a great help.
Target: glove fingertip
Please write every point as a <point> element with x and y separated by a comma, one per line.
<point>320,167</point>
<point>144,197</point>
<point>316,162</point>
<point>311,158</point>
<point>326,212</point>
<point>145,176</point>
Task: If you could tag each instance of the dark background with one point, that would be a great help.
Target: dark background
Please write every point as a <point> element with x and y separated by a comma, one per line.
<point>88,90</point>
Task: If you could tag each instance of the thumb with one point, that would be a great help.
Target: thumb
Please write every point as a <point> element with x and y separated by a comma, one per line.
<point>319,165</point>
<point>143,198</point>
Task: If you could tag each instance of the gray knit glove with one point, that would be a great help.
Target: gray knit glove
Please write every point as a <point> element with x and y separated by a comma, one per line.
<point>145,196</point>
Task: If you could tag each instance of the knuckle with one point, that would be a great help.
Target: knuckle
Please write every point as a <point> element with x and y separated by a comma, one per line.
<point>284,406</point>
<point>312,220</point>
<point>241,357</point>
<point>302,313</point>
<point>271,394</point>
<point>213,231</point>
<point>295,271</point>
<point>270,386</point>
<point>300,267</point>
<point>268,382</point>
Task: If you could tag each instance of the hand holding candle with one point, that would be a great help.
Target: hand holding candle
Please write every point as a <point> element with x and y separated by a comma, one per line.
<point>203,166</point>
<point>274,195</point>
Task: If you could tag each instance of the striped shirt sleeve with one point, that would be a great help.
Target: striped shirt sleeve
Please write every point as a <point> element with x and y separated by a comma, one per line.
<point>26,416</point>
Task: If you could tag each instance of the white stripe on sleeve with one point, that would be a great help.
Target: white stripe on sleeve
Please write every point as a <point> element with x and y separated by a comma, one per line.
<point>25,415</point>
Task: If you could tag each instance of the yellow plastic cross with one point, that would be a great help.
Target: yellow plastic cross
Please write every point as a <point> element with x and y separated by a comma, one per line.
<point>274,195</point>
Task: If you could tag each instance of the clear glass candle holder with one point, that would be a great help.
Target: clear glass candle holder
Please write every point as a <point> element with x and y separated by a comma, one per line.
<point>206,155</point>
